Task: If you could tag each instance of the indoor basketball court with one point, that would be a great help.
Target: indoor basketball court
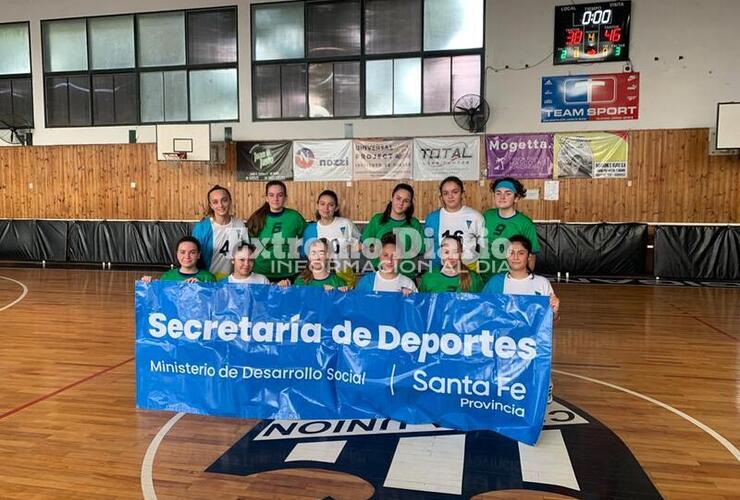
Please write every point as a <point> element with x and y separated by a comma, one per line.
<point>156,147</point>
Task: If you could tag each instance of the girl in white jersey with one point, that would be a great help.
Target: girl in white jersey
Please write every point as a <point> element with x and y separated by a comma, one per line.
<point>219,233</point>
<point>456,220</point>
<point>243,262</point>
<point>341,233</point>
<point>521,281</point>
<point>387,278</point>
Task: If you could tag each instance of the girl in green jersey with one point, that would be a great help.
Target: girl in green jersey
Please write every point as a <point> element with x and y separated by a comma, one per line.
<point>398,218</point>
<point>279,230</point>
<point>318,273</point>
<point>503,222</point>
<point>453,276</point>
<point>187,253</point>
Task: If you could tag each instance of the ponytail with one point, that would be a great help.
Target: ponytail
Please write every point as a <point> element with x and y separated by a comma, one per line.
<point>256,221</point>
<point>465,279</point>
<point>306,275</point>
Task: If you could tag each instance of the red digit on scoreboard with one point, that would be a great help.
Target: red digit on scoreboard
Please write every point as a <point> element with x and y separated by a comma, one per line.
<point>574,37</point>
<point>613,34</point>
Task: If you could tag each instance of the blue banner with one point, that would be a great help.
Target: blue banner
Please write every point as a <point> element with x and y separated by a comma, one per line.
<point>462,361</point>
<point>610,96</point>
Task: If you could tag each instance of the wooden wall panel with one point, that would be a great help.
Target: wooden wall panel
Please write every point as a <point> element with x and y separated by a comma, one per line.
<point>672,180</point>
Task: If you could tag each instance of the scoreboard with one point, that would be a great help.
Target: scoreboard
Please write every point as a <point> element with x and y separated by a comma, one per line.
<point>589,33</point>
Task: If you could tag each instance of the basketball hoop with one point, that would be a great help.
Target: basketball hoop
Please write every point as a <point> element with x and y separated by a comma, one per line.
<point>175,156</point>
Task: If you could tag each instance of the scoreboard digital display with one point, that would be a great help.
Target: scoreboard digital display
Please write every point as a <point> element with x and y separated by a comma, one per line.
<point>589,33</point>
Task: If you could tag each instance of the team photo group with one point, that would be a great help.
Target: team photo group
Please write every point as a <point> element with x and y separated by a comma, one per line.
<point>457,249</point>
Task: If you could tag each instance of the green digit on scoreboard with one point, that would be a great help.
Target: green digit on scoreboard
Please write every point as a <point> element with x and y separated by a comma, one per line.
<point>563,54</point>
<point>617,50</point>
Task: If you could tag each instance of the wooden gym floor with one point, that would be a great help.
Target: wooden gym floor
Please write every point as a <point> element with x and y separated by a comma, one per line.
<point>69,427</point>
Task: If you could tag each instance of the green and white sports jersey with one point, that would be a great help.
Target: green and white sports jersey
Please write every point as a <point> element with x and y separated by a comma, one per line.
<point>176,275</point>
<point>342,234</point>
<point>226,239</point>
<point>435,281</point>
<point>498,231</point>
<point>276,261</point>
<point>376,229</point>
<point>332,280</point>
<point>466,224</point>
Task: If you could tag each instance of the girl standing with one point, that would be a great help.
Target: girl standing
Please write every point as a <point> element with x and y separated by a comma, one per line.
<point>219,233</point>
<point>502,223</point>
<point>398,218</point>
<point>455,219</point>
<point>341,234</point>
<point>279,230</point>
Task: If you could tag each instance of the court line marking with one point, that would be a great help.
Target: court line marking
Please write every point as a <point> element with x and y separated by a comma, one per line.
<point>25,291</point>
<point>689,315</point>
<point>718,330</point>
<point>58,391</point>
<point>716,435</point>
<point>147,479</point>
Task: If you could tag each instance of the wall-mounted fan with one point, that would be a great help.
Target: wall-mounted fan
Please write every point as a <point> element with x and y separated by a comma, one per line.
<point>14,133</point>
<point>471,112</point>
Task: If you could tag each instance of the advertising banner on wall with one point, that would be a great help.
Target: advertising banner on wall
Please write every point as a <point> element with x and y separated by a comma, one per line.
<point>438,157</point>
<point>613,96</point>
<point>263,161</point>
<point>591,154</point>
<point>322,160</point>
<point>524,156</point>
<point>382,159</point>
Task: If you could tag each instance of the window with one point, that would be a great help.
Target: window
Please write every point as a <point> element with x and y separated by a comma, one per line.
<point>334,89</point>
<point>353,58</point>
<point>161,67</point>
<point>446,79</point>
<point>212,37</point>
<point>161,39</point>
<point>16,97</point>
<point>333,29</point>
<point>111,42</point>
<point>164,96</point>
<point>278,32</point>
<point>453,24</point>
<point>392,26</point>
<point>68,100</point>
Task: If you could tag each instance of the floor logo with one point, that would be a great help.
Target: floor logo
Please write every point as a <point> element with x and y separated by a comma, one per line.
<point>576,456</point>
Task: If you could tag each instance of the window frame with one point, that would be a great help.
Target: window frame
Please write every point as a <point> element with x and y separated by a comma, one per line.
<point>19,76</point>
<point>362,59</point>
<point>137,70</point>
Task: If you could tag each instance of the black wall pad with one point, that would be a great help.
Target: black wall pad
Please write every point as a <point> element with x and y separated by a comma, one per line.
<point>707,252</point>
<point>592,249</point>
<point>547,259</point>
<point>125,242</point>
<point>33,240</point>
